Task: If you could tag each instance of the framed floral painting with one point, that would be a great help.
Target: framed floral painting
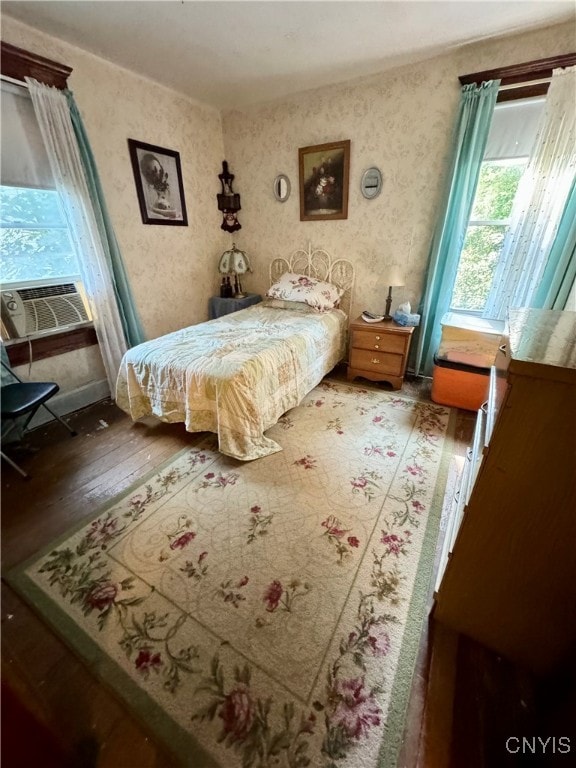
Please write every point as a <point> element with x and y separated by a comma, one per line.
<point>158,179</point>
<point>324,177</point>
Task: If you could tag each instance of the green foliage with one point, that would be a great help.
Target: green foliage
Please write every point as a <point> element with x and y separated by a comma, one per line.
<point>477,264</point>
<point>496,190</point>
<point>494,199</point>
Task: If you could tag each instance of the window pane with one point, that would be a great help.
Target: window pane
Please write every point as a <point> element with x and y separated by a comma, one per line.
<point>34,239</point>
<point>477,263</point>
<point>497,187</point>
<point>30,207</point>
<point>32,254</point>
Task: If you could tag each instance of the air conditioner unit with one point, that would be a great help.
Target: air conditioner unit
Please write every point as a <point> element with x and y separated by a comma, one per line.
<point>28,311</point>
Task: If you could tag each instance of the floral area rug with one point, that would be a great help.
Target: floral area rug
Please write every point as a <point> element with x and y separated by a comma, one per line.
<point>265,613</point>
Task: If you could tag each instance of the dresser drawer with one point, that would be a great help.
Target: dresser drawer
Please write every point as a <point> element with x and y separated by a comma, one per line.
<point>380,362</point>
<point>390,342</point>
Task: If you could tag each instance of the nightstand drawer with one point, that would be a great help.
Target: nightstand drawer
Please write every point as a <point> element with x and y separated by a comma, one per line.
<point>390,342</point>
<point>377,361</point>
<point>379,351</point>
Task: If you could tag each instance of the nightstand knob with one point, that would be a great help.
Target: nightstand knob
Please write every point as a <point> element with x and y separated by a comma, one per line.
<point>376,346</point>
<point>377,338</point>
<point>375,360</point>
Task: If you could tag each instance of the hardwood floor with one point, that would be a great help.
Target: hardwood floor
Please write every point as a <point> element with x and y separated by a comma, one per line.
<point>464,702</point>
<point>70,478</point>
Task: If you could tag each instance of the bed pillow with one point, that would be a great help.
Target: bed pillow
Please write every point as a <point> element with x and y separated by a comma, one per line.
<point>316,293</point>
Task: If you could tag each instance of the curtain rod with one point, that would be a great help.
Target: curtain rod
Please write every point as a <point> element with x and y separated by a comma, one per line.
<point>525,84</point>
<point>14,81</point>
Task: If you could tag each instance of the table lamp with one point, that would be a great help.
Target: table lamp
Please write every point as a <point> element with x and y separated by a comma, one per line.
<point>235,262</point>
<point>393,278</point>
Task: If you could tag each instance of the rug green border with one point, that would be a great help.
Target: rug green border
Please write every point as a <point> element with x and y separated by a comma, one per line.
<point>178,740</point>
<point>400,696</point>
<point>112,503</point>
<point>172,737</point>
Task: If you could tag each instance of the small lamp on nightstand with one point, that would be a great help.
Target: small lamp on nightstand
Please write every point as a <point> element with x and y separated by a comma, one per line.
<point>235,262</point>
<point>393,278</point>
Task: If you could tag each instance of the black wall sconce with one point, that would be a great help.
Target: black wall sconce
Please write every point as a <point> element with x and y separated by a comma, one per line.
<point>228,201</point>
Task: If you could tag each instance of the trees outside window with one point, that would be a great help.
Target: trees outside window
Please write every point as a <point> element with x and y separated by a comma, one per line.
<point>509,145</point>
<point>497,187</point>
<point>35,242</point>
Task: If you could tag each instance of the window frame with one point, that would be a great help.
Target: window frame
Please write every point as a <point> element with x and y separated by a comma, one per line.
<point>518,81</point>
<point>473,222</point>
<point>16,64</point>
<point>62,226</point>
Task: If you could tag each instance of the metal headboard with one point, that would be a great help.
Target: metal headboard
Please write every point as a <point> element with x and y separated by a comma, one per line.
<point>318,263</point>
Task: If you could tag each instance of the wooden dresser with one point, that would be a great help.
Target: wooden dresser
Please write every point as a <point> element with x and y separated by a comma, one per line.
<point>379,351</point>
<point>508,569</point>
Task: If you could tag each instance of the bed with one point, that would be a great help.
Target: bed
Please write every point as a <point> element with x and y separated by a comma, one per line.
<point>237,375</point>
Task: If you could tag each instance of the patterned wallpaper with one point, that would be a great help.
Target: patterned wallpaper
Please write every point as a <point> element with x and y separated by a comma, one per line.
<point>400,121</point>
<point>171,269</point>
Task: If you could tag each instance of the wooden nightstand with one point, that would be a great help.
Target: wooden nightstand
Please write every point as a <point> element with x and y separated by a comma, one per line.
<point>379,351</point>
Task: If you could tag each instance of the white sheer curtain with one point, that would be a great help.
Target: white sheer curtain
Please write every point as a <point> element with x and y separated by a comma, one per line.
<point>53,115</point>
<point>540,201</point>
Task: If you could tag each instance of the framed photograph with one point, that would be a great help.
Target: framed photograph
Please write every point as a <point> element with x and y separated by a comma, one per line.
<point>324,172</point>
<point>158,179</point>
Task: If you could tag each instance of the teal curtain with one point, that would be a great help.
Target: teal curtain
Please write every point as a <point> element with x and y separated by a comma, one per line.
<point>560,270</point>
<point>130,319</point>
<point>474,118</point>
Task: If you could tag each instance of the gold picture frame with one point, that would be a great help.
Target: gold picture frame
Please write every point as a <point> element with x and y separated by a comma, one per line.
<point>324,181</point>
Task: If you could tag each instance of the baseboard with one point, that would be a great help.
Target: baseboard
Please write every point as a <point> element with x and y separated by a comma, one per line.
<point>68,402</point>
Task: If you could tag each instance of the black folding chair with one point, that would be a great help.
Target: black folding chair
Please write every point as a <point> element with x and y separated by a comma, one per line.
<point>19,401</point>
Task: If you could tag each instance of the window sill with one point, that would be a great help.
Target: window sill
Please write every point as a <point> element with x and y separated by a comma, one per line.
<point>471,321</point>
<point>21,351</point>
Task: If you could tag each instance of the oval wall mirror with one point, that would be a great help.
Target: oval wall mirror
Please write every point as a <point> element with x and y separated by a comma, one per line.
<point>281,188</point>
<point>371,183</point>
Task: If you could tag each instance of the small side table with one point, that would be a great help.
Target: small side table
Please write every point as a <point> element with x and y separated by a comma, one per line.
<point>379,351</point>
<point>218,307</point>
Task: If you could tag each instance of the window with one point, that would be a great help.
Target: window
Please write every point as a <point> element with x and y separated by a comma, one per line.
<point>35,243</point>
<point>511,137</point>
<point>24,166</point>
<point>488,224</point>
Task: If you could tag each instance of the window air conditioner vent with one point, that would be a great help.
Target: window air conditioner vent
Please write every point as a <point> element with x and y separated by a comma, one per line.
<point>27,311</point>
<point>47,291</point>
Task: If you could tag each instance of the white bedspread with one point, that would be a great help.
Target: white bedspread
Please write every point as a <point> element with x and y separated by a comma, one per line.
<point>235,375</point>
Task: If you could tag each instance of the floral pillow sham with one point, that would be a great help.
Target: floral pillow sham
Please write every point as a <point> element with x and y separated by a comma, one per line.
<point>318,294</point>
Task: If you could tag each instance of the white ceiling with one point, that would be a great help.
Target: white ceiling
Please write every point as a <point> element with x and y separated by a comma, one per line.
<point>232,53</point>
